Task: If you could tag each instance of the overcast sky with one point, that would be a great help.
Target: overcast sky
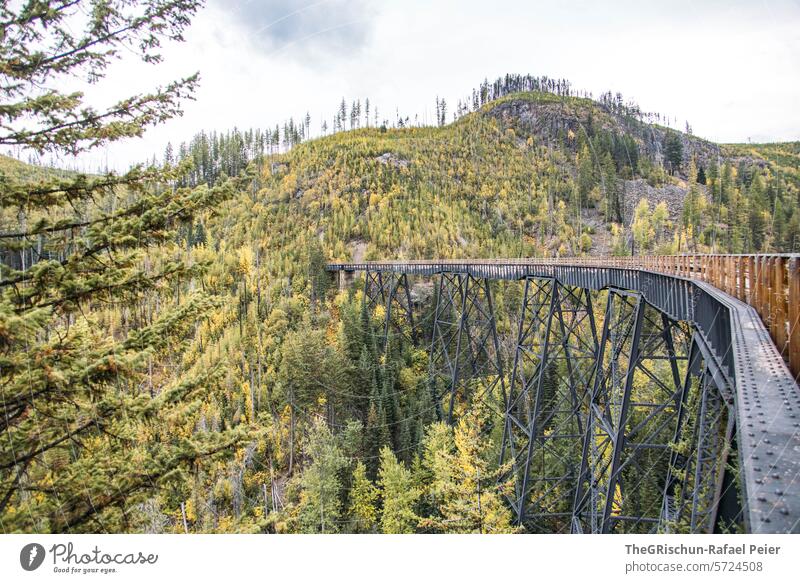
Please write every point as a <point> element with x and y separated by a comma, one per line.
<point>729,67</point>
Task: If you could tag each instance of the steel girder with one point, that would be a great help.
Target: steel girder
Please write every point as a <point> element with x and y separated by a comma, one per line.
<point>703,445</point>
<point>465,353</point>
<point>392,292</point>
<point>632,418</point>
<point>545,413</point>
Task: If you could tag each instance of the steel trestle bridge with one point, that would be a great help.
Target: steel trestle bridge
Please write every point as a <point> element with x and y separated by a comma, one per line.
<point>642,397</point>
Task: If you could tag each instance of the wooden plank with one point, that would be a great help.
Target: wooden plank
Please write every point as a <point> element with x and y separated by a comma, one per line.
<point>779,290</point>
<point>733,272</point>
<point>751,278</point>
<point>709,270</point>
<point>794,316</point>
<point>723,274</point>
<point>759,286</point>
<point>741,273</point>
<point>771,304</point>
<point>765,287</point>
<point>715,271</point>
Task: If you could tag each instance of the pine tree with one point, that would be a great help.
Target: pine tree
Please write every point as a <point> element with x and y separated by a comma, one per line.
<point>363,499</point>
<point>82,443</point>
<point>377,427</point>
<point>461,487</point>
<point>321,495</point>
<point>398,494</point>
<point>586,175</point>
<point>673,151</point>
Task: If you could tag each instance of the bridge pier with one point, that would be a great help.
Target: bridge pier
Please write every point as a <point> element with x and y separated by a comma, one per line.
<point>465,351</point>
<point>598,489</point>
<point>392,292</point>
<point>547,399</point>
<point>345,279</point>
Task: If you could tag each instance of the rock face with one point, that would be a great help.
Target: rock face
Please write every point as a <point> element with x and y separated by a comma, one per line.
<point>549,121</point>
<point>392,160</point>
<point>635,190</point>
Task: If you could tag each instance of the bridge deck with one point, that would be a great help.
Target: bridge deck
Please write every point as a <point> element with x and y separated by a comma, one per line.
<point>765,396</point>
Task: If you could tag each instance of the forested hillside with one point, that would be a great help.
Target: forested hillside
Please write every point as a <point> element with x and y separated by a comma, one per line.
<point>175,358</point>
<point>519,177</point>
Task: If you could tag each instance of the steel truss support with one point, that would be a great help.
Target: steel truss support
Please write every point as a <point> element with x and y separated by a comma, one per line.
<point>548,399</point>
<point>465,353</point>
<point>653,410</point>
<point>703,439</point>
<point>633,416</point>
<point>392,292</point>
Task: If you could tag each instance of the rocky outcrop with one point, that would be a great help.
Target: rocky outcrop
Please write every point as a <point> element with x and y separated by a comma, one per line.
<point>562,120</point>
<point>392,160</point>
<point>635,190</point>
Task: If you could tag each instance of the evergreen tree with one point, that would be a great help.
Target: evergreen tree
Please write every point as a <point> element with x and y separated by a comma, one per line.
<point>673,151</point>
<point>377,428</point>
<point>82,443</point>
<point>701,175</point>
<point>586,175</point>
<point>398,494</point>
<point>321,494</point>
<point>363,499</point>
<point>462,488</point>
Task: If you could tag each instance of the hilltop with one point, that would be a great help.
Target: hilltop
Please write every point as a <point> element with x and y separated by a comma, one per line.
<point>529,174</point>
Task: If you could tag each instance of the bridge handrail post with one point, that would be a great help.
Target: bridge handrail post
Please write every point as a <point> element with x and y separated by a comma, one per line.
<point>724,273</point>
<point>758,285</point>
<point>751,277</point>
<point>772,298</point>
<point>794,315</point>
<point>712,270</point>
<point>779,275</point>
<point>741,263</point>
<point>725,263</point>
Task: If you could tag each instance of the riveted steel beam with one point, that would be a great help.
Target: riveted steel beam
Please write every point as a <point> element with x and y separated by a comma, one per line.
<point>548,400</point>
<point>464,357</point>
<point>392,292</point>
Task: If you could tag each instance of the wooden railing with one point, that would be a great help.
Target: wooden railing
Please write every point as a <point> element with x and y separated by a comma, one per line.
<point>769,283</point>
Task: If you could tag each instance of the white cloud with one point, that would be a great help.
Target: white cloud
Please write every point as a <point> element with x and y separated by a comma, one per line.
<point>730,68</point>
